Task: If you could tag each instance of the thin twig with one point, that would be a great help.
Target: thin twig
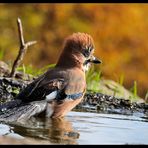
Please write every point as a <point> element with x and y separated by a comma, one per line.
<point>22,50</point>
<point>20,31</point>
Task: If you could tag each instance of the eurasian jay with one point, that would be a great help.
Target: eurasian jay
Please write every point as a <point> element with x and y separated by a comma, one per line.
<point>64,86</point>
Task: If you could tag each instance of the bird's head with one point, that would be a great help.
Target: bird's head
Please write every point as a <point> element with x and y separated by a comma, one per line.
<point>78,50</point>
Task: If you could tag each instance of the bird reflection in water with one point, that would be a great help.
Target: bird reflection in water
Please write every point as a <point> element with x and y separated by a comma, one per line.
<point>62,132</point>
<point>56,131</point>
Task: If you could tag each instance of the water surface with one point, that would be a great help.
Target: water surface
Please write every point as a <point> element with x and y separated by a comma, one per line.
<point>85,128</point>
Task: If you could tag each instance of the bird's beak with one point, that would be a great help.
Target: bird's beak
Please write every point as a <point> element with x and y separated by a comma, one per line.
<point>95,60</point>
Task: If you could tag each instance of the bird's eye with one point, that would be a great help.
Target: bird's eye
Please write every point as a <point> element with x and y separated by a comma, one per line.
<point>89,49</point>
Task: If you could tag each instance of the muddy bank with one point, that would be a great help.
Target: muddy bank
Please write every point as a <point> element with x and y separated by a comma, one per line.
<point>9,88</point>
<point>101,103</point>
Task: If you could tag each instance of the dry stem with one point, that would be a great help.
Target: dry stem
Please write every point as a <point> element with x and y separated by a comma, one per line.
<point>22,50</point>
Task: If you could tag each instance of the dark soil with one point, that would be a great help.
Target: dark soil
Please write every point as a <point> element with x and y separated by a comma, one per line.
<point>97,102</point>
<point>9,88</point>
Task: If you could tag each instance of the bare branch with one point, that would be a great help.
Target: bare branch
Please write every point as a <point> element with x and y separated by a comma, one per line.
<point>30,43</point>
<point>22,50</point>
<point>20,31</point>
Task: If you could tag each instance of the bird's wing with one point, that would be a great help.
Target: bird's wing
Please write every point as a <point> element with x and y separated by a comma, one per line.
<point>56,84</point>
<point>36,92</point>
<point>60,86</point>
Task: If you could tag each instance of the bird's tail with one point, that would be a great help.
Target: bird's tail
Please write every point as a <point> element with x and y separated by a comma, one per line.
<point>9,105</point>
<point>23,112</point>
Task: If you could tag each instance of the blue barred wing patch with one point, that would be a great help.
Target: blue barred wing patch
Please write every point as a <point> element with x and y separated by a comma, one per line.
<point>74,96</point>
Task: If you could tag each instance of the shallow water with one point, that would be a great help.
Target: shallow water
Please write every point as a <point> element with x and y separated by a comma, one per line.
<point>84,128</point>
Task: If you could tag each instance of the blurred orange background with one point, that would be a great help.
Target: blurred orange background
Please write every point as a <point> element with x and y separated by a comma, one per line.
<point>120,33</point>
